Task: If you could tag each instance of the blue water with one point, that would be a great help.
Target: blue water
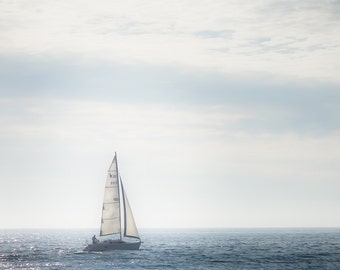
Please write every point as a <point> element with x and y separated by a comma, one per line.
<point>176,249</point>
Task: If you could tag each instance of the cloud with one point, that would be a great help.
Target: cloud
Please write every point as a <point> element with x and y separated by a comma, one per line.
<point>268,103</point>
<point>290,38</point>
<point>215,34</point>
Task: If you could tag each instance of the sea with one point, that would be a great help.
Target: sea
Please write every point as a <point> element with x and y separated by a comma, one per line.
<point>246,249</point>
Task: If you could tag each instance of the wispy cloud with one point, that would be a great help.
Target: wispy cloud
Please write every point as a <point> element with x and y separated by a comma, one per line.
<point>272,104</point>
<point>233,36</point>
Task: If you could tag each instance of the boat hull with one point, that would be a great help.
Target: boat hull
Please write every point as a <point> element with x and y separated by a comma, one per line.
<point>113,245</point>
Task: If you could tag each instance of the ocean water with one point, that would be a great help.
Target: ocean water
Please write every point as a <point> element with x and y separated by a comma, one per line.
<point>176,249</point>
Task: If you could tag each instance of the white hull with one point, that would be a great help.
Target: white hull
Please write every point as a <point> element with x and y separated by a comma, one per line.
<point>113,245</point>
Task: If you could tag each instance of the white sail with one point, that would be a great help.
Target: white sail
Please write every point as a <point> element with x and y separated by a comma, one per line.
<point>111,218</point>
<point>130,228</point>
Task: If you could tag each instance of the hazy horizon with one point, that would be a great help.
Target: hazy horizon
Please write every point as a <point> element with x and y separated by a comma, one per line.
<point>174,228</point>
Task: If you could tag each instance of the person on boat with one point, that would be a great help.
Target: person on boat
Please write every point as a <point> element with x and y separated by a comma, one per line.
<point>94,239</point>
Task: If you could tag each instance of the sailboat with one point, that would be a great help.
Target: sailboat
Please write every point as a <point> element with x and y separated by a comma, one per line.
<point>117,219</point>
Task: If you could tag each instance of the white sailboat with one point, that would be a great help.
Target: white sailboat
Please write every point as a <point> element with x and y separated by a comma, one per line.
<point>116,210</point>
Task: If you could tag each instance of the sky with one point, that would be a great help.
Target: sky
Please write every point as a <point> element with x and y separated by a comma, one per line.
<point>223,113</point>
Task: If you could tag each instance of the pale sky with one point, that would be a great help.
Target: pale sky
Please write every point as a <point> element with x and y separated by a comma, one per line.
<point>223,113</point>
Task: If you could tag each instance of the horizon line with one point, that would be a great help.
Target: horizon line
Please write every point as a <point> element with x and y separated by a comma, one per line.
<point>178,228</point>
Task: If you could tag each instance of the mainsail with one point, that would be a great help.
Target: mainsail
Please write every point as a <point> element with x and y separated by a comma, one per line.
<point>111,218</point>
